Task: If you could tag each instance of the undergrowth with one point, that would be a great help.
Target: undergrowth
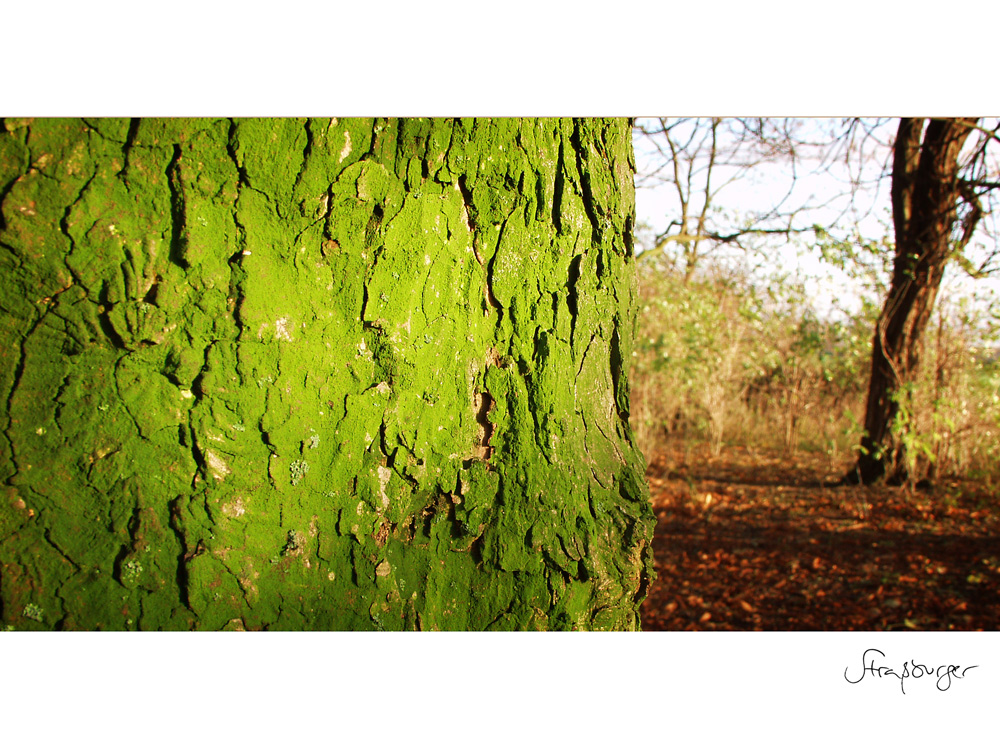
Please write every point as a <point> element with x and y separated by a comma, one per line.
<point>724,361</point>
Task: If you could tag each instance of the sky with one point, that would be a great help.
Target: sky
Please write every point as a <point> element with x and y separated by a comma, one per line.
<point>833,292</point>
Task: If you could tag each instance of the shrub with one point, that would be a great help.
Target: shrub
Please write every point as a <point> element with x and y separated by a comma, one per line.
<point>722,360</point>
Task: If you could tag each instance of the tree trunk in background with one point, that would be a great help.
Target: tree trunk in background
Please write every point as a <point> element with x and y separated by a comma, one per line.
<point>318,374</point>
<point>925,197</point>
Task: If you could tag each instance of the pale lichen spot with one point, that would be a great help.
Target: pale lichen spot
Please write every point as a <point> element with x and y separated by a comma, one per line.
<point>427,259</point>
<point>33,611</point>
<point>383,569</point>
<point>219,468</point>
<point>384,474</point>
<point>346,150</point>
<point>187,394</point>
<point>234,509</point>
<point>281,329</point>
<point>331,576</point>
<point>298,469</point>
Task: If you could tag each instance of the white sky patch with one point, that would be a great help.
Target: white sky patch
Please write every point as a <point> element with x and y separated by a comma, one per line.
<point>832,291</point>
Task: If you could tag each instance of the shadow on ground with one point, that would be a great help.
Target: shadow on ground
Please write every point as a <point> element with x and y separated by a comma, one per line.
<point>756,541</point>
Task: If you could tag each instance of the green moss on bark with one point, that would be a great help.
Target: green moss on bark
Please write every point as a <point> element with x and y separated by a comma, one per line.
<point>298,374</point>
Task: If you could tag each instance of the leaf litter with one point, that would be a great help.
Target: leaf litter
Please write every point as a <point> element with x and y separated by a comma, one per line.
<point>752,540</point>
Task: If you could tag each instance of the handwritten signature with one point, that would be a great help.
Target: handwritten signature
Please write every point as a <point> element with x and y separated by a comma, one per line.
<point>911,669</point>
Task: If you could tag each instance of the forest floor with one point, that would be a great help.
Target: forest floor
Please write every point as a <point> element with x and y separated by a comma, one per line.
<point>752,540</point>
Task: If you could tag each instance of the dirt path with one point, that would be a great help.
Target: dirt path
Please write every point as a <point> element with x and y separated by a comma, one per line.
<point>752,541</point>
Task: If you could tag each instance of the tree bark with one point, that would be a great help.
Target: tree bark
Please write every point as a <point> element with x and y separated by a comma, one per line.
<point>318,374</point>
<point>925,198</point>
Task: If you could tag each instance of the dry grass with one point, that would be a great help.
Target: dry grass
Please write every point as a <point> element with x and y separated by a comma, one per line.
<point>716,364</point>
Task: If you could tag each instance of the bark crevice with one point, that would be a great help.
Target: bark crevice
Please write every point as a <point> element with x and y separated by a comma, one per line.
<point>178,213</point>
<point>582,169</point>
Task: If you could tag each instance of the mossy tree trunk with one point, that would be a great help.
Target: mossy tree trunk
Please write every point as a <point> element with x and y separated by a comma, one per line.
<point>318,374</point>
